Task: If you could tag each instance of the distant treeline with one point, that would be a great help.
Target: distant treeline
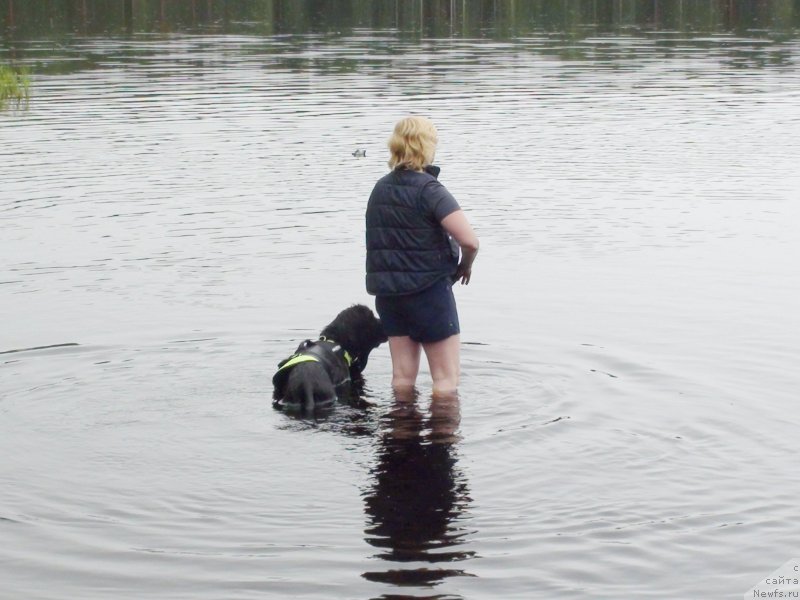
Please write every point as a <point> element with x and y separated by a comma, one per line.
<point>432,17</point>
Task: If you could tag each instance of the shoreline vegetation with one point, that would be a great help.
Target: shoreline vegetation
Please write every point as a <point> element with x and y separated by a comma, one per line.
<point>468,18</point>
<point>15,86</point>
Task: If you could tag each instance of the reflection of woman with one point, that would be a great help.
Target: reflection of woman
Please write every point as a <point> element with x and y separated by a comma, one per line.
<point>417,495</point>
<point>414,231</point>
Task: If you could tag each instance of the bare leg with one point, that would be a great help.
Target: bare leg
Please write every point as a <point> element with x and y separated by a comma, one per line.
<point>405,361</point>
<point>444,359</point>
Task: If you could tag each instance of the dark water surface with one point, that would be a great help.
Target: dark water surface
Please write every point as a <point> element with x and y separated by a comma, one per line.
<point>177,212</point>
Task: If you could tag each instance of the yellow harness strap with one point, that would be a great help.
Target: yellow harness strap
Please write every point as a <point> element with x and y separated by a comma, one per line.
<point>300,358</point>
<point>303,357</point>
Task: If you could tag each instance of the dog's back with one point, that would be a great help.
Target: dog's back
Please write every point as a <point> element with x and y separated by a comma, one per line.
<point>309,385</point>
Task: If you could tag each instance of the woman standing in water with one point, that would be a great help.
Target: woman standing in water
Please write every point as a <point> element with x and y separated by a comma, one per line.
<point>415,229</point>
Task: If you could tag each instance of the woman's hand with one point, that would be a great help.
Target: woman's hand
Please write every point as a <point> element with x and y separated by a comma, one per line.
<point>463,272</point>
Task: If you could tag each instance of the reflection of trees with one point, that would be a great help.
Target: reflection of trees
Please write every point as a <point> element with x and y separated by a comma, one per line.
<point>434,17</point>
<point>417,495</point>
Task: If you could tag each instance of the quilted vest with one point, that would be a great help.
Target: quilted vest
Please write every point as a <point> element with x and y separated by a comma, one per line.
<point>407,249</point>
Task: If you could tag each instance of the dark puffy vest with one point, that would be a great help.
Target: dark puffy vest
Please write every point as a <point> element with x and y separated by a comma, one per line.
<point>407,249</point>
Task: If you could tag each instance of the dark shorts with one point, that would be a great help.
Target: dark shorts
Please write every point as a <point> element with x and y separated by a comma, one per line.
<point>426,316</point>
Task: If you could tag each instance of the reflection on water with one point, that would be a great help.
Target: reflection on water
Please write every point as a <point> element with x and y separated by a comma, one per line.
<point>418,496</point>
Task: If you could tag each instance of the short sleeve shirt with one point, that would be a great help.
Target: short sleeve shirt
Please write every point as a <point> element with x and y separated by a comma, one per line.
<point>438,201</point>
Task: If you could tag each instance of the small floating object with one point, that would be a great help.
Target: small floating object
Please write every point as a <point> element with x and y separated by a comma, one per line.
<point>359,152</point>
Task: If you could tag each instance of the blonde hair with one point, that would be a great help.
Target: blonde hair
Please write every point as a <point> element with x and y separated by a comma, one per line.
<point>413,143</point>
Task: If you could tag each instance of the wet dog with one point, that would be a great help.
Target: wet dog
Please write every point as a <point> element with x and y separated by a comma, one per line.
<point>320,370</point>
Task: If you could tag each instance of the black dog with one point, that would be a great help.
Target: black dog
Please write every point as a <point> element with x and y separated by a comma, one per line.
<point>319,369</point>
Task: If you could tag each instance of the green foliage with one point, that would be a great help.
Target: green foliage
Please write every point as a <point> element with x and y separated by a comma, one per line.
<point>436,18</point>
<point>15,85</point>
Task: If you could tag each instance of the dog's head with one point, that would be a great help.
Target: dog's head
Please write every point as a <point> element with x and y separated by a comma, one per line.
<point>359,332</point>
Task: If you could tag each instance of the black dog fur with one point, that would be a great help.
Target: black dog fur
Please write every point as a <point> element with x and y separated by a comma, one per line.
<point>310,384</point>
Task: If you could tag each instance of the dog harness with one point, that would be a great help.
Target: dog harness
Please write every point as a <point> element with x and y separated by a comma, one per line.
<point>327,352</point>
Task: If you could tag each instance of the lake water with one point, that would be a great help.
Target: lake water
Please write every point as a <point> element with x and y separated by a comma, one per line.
<point>177,213</point>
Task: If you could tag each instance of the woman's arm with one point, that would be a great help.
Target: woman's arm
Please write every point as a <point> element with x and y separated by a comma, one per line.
<point>456,224</point>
